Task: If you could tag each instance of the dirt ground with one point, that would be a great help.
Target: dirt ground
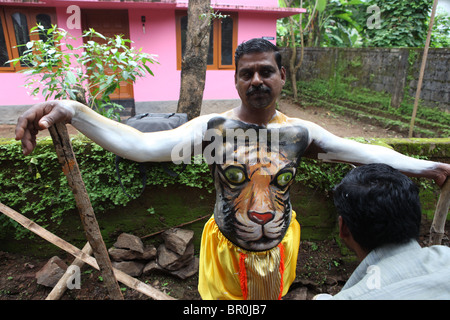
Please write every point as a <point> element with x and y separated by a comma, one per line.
<point>321,266</point>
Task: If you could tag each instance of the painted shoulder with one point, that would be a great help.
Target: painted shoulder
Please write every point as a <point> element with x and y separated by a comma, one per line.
<point>291,137</point>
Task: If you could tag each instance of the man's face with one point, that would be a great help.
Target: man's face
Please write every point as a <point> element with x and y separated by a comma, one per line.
<point>258,80</point>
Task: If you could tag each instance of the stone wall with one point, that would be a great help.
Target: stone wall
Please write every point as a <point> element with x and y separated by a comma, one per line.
<point>391,70</point>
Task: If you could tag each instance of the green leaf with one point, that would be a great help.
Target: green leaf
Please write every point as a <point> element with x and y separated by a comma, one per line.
<point>111,89</point>
<point>321,5</point>
<point>70,77</point>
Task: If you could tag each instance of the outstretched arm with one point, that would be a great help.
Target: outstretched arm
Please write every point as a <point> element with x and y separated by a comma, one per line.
<point>116,137</point>
<point>331,148</point>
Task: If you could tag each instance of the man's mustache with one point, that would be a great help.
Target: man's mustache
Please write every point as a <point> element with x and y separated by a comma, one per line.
<point>259,89</point>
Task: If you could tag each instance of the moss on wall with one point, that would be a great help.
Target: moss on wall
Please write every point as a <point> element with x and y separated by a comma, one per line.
<point>432,148</point>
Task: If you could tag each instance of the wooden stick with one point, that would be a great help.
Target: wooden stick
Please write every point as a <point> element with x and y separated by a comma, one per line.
<point>61,286</point>
<point>66,158</point>
<point>422,69</point>
<point>178,226</point>
<point>77,253</point>
<point>437,229</point>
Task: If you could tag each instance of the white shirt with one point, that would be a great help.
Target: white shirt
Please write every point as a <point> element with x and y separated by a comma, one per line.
<point>396,272</point>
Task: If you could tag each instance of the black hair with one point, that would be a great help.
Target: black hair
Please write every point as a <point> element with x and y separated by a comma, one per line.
<point>379,205</point>
<point>257,45</point>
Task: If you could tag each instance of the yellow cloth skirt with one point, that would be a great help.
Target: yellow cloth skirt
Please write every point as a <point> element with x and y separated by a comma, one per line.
<point>228,272</point>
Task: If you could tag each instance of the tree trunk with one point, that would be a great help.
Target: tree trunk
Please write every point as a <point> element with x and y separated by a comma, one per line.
<point>193,65</point>
<point>293,67</point>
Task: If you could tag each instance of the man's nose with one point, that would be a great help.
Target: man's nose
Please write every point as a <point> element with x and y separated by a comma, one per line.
<point>256,80</point>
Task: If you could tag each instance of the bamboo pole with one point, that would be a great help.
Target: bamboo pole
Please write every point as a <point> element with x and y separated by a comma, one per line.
<point>66,158</point>
<point>61,286</point>
<point>437,229</point>
<point>422,69</point>
<point>77,253</point>
<point>178,226</point>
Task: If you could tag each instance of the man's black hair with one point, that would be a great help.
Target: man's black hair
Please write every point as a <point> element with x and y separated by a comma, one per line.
<point>379,205</point>
<point>257,45</point>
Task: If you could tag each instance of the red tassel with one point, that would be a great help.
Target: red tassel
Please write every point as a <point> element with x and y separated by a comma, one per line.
<point>243,275</point>
<point>281,247</point>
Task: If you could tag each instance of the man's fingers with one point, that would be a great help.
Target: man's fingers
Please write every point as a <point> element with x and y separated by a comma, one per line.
<point>39,117</point>
<point>28,125</point>
<point>28,120</point>
<point>22,125</point>
<point>28,142</point>
<point>53,115</point>
<point>44,123</point>
<point>443,174</point>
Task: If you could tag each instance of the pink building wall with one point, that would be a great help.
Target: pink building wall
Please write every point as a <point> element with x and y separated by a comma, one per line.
<point>160,39</point>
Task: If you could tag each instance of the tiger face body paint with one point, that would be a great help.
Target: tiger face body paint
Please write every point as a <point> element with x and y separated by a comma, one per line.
<point>253,208</point>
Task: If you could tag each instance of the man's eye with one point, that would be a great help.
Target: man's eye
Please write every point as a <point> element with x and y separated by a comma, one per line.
<point>246,75</point>
<point>284,178</point>
<point>266,73</point>
<point>235,175</point>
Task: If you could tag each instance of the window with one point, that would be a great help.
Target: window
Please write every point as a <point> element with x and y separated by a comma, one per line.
<point>15,25</point>
<point>222,41</point>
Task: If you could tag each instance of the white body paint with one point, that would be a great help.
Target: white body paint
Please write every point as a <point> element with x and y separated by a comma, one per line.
<point>132,144</point>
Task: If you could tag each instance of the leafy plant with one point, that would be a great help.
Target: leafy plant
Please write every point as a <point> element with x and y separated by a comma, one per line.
<point>403,23</point>
<point>326,23</point>
<point>89,73</point>
<point>440,35</point>
<point>338,26</point>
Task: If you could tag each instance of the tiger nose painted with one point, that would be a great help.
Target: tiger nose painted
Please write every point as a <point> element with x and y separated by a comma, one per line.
<point>260,218</point>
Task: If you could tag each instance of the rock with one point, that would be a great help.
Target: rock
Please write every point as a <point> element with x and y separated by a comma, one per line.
<point>118,254</point>
<point>150,253</point>
<point>51,272</point>
<point>130,242</point>
<point>331,281</point>
<point>132,268</point>
<point>177,240</point>
<point>175,256</point>
<point>297,294</point>
<point>187,271</point>
<point>172,261</point>
<point>151,267</point>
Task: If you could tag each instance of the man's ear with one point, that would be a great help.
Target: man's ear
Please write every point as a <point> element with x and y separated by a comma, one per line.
<point>344,232</point>
<point>283,75</point>
<point>349,241</point>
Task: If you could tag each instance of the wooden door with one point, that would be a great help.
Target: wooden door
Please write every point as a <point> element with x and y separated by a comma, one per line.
<point>110,23</point>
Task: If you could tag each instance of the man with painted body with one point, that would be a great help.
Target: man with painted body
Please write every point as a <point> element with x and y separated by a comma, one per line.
<point>249,246</point>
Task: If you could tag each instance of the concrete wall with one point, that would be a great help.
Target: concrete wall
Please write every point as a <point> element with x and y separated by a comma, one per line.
<point>382,69</point>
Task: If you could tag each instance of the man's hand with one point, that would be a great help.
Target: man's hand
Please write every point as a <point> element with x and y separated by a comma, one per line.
<point>39,117</point>
<point>443,173</point>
